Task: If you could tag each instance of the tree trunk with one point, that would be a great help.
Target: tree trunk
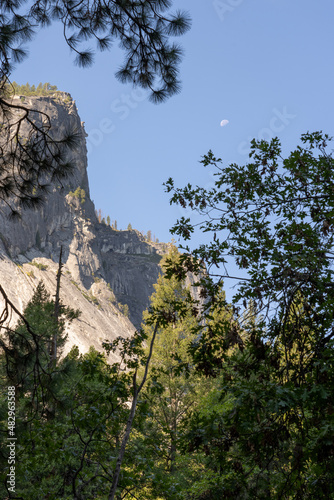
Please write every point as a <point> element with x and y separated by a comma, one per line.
<point>130,419</point>
<point>53,352</point>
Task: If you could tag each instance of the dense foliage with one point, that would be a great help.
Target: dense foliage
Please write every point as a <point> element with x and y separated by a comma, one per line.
<point>272,435</point>
<point>69,413</point>
<point>73,414</point>
<point>209,400</point>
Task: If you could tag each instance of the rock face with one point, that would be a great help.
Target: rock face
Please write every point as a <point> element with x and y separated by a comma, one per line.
<point>106,273</point>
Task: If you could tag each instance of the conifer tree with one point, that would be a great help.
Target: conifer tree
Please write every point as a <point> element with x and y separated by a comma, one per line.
<point>174,388</point>
<point>27,352</point>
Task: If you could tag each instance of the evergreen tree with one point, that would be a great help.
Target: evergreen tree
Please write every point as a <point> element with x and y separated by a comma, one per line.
<point>27,349</point>
<point>150,56</point>
<point>174,389</point>
<point>69,416</point>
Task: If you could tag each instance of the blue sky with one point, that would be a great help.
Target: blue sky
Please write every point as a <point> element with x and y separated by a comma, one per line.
<point>264,65</point>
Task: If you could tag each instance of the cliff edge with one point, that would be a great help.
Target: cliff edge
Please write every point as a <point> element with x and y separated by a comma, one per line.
<point>107,274</point>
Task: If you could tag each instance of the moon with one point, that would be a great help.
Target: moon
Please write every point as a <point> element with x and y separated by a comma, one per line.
<point>224,122</point>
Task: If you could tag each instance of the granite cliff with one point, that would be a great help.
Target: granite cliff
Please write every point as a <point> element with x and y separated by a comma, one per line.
<point>107,274</point>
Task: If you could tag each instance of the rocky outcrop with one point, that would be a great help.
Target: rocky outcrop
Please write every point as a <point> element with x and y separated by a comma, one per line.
<point>106,273</point>
<point>100,319</point>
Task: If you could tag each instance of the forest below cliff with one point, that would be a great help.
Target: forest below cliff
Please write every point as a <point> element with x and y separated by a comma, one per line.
<point>209,399</point>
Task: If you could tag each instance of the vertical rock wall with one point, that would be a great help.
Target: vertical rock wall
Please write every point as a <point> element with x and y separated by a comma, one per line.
<point>103,269</point>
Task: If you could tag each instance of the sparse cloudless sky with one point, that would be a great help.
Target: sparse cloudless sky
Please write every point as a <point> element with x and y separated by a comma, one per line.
<point>266,66</point>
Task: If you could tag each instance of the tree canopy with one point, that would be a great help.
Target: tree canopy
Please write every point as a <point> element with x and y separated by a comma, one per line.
<point>274,218</point>
<point>216,401</point>
<point>42,89</point>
